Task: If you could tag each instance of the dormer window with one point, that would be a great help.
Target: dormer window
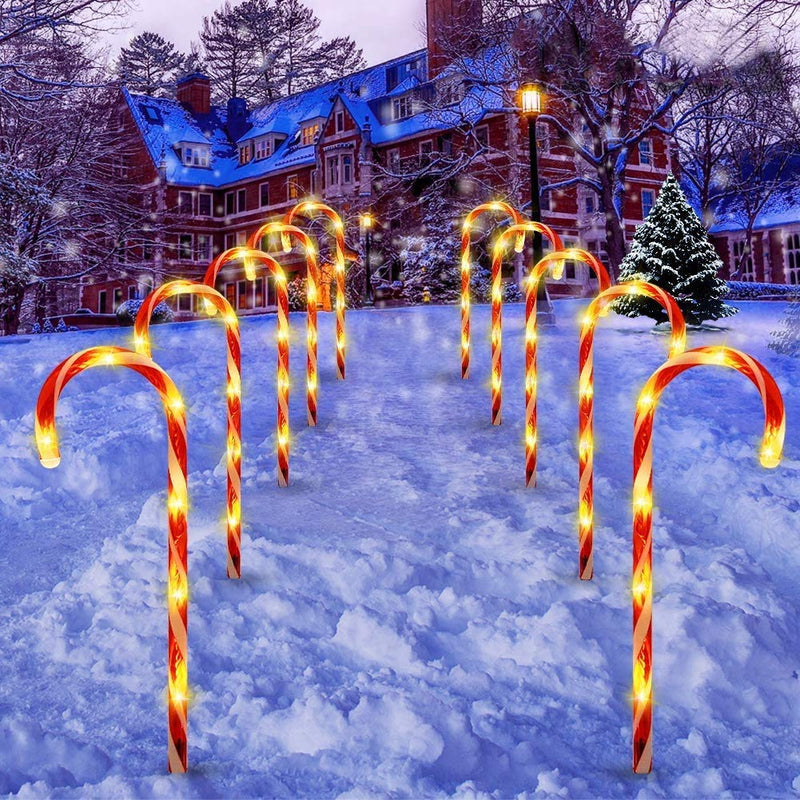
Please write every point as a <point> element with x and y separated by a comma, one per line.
<point>245,153</point>
<point>402,107</point>
<point>195,155</point>
<point>263,148</point>
<point>309,133</point>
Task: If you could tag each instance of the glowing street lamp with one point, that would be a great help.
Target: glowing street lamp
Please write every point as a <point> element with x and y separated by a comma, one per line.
<point>531,104</point>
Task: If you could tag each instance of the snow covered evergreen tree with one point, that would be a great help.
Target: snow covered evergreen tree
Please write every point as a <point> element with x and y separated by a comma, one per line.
<point>431,271</point>
<point>672,250</point>
<point>786,339</point>
<point>62,326</point>
<point>48,327</point>
<point>150,64</point>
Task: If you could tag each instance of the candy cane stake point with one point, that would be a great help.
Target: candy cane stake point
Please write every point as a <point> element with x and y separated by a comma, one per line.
<point>291,232</point>
<point>141,335</point>
<point>497,207</point>
<point>250,258</point>
<point>515,231</point>
<point>307,209</point>
<point>642,579</point>
<point>599,307</point>
<point>177,504</point>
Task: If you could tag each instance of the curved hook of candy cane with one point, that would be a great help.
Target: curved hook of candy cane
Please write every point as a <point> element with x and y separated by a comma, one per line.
<point>500,247</point>
<point>496,207</point>
<point>642,586</point>
<point>312,270</point>
<point>599,307</point>
<point>177,505</point>
<point>141,335</point>
<point>307,209</point>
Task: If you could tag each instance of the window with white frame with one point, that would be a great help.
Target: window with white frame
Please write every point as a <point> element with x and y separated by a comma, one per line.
<point>589,202</point>
<point>347,170</point>
<point>245,153</point>
<point>263,195</point>
<point>309,133</point>
<point>793,259</point>
<point>393,158</point>
<point>196,155</point>
<point>204,204</point>
<point>333,170</point>
<point>648,201</point>
<point>743,259</point>
<point>425,148</point>
<point>204,247</point>
<point>241,238</point>
<point>570,267</point>
<point>402,107</point>
<point>646,153</point>
<point>339,121</point>
<point>339,171</point>
<point>230,203</point>
<point>230,241</point>
<point>263,148</point>
<point>185,203</point>
<point>241,200</point>
<point>185,303</point>
<point>185,247</point>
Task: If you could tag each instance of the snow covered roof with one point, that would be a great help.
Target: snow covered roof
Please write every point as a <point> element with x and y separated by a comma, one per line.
<point>165,123</point>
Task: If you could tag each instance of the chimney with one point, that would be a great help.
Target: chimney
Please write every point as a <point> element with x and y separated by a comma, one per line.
<point>194,92</point>
<point>448,22</point>
<point>236,121</point>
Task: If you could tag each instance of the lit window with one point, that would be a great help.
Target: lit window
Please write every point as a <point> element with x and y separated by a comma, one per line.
<point>309,133</point>
<point>244,153</point>
<point>259,293</point>
<point>402,107</point>
<point>243,297</point>
<point>292,189</point>
<point>646,153</point>
<point>204,204</point>
<point>648,201</point>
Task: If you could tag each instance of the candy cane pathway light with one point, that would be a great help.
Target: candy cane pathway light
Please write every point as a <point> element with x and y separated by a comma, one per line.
<point>515,231</point>
<point>557,258</point>
<point>177,504</point>
<point>597,308</point>
<point>250,258</point>
<point>466,266</point>
<point>312,282</point>
<point>308,209</point>
<point>642,584</point>
<point>141,333</point>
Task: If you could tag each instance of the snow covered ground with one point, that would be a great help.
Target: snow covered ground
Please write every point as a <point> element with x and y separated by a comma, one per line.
<point>409,621</point>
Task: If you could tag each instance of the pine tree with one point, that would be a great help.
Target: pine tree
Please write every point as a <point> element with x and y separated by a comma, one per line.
<point>150,64</point>
<point>431,271</point>
<point>786,340</point>
<point>672,250</point>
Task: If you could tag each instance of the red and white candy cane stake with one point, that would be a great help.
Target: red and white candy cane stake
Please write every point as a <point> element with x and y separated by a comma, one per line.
<point>515,231</point>
<point>250,258</point>
<point>307,209</point>
<point>466,267</point>
<point>141,336</point>
<point>599,307</point>
<point>177,504</point>
<point>642,584</point>
<point>557,259</point>
<point>312,282</point>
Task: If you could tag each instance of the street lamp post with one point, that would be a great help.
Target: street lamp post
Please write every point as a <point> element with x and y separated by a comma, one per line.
<point>531,104</point>
<point>366,222</point>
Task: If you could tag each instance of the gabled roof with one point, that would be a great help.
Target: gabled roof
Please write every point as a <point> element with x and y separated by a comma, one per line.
<point>164,123</point>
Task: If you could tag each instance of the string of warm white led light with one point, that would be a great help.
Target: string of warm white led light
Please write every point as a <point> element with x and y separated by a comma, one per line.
<point>597,308</point>
<point>141,332</point>
<point>177,505</point>
<point>466,267</point>
<point>312,293</point>
<point>250,258</point>
<point>307,209</point>
<point>642,583</point>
